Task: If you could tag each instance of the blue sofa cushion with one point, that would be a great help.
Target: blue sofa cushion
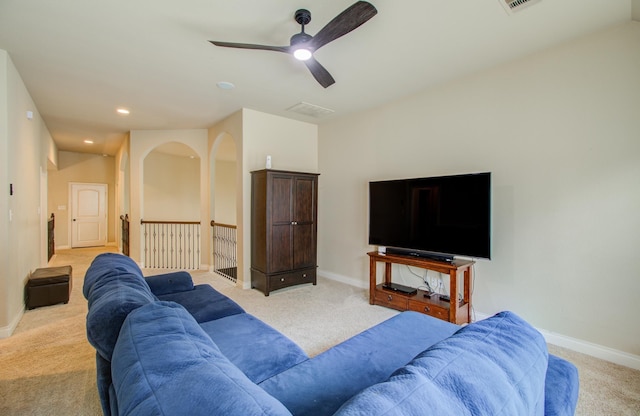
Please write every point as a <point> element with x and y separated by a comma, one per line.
<point>319,386</point>
<point>109,310</point>
<point>165,364</point>
<point>113,286</point>
<point>162,284</point>
<point>204,303</point>
<point>492,367</point>
<point>104,268</point>
<point>561,386</point>
<point>253,346</point>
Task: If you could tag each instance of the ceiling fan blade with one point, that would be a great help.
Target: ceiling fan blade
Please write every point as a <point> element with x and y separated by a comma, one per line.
<point>319,72</point>
<point>350,19</point>
<point>251,46</point>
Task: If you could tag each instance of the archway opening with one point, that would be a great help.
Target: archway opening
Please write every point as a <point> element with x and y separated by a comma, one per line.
<point>223,207</point>
<point>171,207</point>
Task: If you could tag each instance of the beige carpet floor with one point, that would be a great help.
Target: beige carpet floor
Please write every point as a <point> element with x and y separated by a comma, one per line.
<point>47,367</point>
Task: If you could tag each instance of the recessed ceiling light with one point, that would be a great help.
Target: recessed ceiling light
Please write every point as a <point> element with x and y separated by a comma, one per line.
<point>224,85</point>
<point>88,141</point>
<point>123,111</point>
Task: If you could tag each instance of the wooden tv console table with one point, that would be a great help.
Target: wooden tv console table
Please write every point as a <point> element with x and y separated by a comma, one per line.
<point>458,312</point>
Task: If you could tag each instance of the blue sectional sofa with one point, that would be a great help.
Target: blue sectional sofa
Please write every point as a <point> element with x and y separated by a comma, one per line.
<point>167,347</point>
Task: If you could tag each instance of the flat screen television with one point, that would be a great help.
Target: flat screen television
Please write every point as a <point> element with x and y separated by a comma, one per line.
<point>438,217</point>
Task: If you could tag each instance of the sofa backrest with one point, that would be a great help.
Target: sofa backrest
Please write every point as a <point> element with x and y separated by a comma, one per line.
<point>103,268</point>
<point>492,367</point>
<point>164,363</point>
<point>113,286</point>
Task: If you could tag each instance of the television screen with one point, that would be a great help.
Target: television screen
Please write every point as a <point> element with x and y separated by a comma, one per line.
<point>445,215</point>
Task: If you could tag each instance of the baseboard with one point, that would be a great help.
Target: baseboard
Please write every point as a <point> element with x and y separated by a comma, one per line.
<point>63,247</point>
<point>594,350</point>
<point>344,279</point>
<point>573,344</point>
<point>6,331</point>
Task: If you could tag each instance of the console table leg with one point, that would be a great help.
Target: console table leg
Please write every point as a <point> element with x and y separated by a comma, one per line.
<point>468,281</point>
<point>372,279</point>
<point>387,273</point>
<point>453,296</point>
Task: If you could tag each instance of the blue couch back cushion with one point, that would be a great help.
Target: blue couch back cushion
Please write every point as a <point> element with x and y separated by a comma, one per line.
<point>493,367</point>
<point>173,282</point>
<point>114,286</point>
<point>106,266</point>
<point>165,364</point>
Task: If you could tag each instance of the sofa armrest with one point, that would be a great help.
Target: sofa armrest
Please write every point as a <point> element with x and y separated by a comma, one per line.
<point>174,282</point>
<point>561,387</point>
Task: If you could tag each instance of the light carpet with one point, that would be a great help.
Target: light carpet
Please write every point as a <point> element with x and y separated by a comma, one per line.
<point>47,367</point>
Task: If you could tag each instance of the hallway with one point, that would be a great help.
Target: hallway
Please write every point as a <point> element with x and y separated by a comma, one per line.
<point>48,366</point>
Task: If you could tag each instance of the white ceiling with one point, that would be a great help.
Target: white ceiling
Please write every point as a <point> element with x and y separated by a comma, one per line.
<point>82,59</point>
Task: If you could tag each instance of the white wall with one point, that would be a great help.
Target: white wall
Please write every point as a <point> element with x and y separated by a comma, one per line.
<point>24,145</point>
<point>80,168</point>
<point>171,188</point>
<point>7,316</point>
<point>225,193</point>
<point>560,130</point>
<point>293,145</point>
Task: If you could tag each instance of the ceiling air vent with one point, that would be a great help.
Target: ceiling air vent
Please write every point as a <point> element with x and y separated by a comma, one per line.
<point>310,110</point>
<point>512,6</point>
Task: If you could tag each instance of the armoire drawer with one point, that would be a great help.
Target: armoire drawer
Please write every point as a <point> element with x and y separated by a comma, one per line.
<point>297,277</point>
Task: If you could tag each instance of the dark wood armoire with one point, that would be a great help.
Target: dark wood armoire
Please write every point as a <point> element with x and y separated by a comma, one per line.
<point>283,229</point>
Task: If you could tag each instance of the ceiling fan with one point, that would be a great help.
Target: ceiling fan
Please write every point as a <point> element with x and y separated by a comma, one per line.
<point>302,45</point>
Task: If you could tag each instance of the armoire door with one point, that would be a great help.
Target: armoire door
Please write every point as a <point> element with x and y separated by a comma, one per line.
<point>304,227</point>
<point>281,239</point>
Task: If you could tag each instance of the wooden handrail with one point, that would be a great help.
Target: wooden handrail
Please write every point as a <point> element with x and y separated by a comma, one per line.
<point>219,224</point>
<point>170,222</point>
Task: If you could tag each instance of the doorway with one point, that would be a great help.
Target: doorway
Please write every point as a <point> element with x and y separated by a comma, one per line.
<point>88,214</point>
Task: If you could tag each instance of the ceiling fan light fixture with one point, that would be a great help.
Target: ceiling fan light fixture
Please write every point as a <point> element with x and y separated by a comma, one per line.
<point>302,45</point>
<point>299,46</point>
<point>302,54</point>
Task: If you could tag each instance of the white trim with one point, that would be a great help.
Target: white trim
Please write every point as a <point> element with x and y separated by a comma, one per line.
<point>573,344</point>
<point>594,350</point>
<point>6,331</point>
<point>344,279</point>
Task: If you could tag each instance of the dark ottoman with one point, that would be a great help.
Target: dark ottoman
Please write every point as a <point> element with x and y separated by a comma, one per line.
<point>48,286</point>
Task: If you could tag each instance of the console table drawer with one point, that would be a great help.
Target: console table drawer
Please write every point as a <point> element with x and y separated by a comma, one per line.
<point>391,300</point>
<point>429,309</point>
<point>298,277</point>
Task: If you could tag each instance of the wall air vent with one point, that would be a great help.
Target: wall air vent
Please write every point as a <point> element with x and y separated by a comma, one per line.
<point>310,110</point>
<point>512,6</point>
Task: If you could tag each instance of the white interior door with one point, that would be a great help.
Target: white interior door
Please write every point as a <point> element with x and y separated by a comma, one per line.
<point>88,214</point>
